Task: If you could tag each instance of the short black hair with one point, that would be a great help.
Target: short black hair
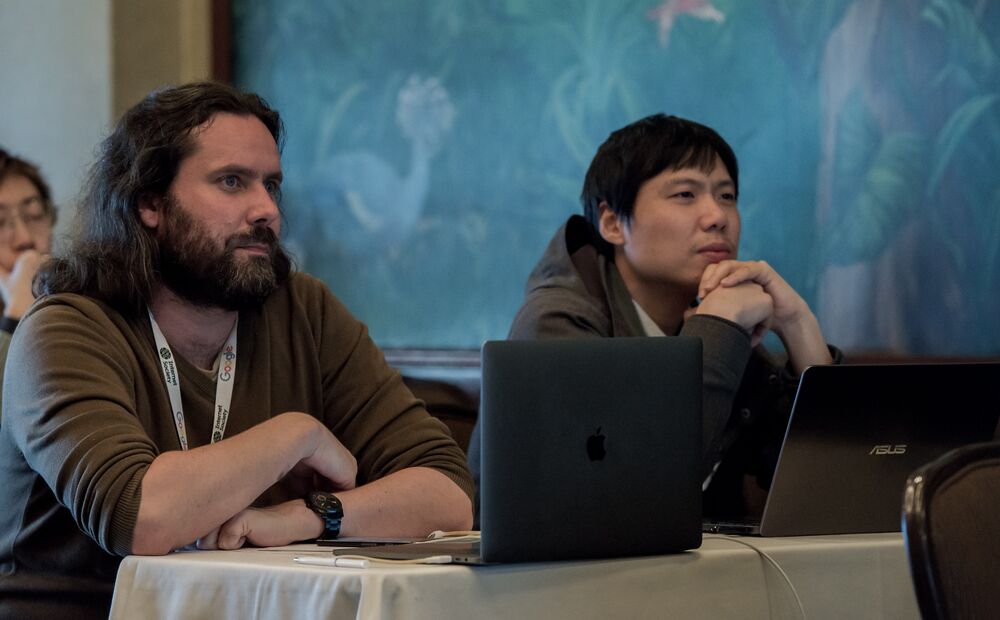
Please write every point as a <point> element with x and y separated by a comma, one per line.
<point>641,150</point>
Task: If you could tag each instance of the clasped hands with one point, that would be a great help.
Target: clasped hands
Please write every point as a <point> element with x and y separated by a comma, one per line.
<point>752,295</point>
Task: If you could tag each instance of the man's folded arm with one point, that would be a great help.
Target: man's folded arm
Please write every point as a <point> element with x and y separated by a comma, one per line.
<point>410,502</point>
<point>185,495</point>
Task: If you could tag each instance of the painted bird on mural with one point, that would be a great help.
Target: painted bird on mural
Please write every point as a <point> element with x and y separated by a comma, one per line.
<point>667,11</point>
<point>375,207</point>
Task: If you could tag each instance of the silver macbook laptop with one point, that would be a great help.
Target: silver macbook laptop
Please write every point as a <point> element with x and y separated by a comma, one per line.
<point>590,449</point>
<point>857,431</point>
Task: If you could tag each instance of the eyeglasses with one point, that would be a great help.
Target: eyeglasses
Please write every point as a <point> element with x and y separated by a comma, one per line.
<point>31,213</point>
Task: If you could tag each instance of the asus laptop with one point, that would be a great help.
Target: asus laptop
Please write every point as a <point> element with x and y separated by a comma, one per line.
<point>856,432</point>
<point>590,449</point>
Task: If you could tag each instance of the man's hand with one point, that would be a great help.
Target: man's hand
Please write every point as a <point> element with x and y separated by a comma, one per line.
<point>745,304</point>
<point>15,285</point>
<point>303,479</point>
<point>789,307</point>
<point>273,526</point>
<point>792,319</point>
<point>329,461</point>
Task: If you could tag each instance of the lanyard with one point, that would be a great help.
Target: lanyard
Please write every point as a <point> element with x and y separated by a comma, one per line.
<point>223,383</point>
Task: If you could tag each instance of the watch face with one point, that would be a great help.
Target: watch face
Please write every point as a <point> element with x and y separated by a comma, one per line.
<point>327,503</point>
<point>329,508</point>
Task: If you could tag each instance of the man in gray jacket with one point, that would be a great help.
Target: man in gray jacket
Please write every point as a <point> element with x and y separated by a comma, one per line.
<point>655,254</point>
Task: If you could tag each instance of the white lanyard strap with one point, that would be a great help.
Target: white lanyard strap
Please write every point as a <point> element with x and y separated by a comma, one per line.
<point>223,383</point>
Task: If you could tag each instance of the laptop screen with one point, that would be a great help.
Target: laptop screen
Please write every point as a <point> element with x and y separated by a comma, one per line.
<point>858,431</point>
<point>590,448</point>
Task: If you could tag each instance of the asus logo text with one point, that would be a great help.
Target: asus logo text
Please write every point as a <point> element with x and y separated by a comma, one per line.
<point>888,449</point>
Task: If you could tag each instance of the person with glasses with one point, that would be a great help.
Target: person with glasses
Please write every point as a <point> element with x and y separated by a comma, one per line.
<point>26,220</point>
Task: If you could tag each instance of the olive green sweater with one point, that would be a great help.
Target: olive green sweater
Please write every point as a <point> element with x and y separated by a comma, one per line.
<point>85,412</point>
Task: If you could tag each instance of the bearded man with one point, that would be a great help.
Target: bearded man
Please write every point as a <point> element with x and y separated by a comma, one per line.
<point>178,384</point>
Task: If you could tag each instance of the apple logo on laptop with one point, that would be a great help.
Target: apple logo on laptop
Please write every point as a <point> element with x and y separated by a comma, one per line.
<point>595,446</point>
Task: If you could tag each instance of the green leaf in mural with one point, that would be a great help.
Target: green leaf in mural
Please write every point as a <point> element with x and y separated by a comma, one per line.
<point>568,115</point>
<point>857,142</point>
<point>953,134</point>
<point>890,195</point>
<point>970,46</point>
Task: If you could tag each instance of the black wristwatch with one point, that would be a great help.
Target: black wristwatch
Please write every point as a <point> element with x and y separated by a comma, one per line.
<point>329,508</point>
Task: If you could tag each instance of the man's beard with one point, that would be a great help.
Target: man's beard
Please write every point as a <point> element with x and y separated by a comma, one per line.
<point>192,266</point>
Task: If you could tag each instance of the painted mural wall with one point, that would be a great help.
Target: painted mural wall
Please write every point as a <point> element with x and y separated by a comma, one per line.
<point>434,147</point>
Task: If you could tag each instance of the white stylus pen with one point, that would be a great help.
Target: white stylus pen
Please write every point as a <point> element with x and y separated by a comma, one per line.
<point>313,560</point>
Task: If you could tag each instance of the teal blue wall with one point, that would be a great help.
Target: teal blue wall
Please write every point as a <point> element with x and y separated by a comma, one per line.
<point>434,147</point>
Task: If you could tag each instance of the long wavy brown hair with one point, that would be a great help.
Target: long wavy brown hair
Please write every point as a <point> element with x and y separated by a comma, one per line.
<point>112,256</point>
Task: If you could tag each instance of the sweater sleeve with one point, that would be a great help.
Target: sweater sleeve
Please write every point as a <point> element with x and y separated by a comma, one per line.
<point>370,409</point>
<point>556,313</point>
<point>70,405</point>
<point>725,352</point>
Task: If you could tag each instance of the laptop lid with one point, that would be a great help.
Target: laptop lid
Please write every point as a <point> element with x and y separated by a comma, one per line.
<point>857,431</point>
<point>590,448</point>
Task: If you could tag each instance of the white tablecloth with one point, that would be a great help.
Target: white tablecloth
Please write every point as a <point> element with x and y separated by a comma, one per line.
<point>859,576</point>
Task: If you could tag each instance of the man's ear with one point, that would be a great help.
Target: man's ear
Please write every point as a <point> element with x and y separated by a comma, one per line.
<point>150,210</point>
<point>612,228</point>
